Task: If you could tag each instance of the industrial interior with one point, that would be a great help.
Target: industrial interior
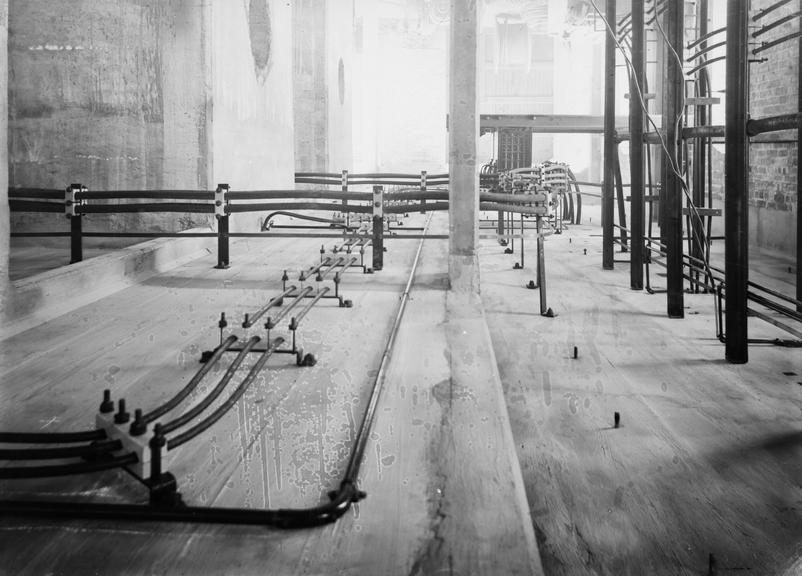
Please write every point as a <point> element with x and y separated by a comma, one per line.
<point>400,287</point>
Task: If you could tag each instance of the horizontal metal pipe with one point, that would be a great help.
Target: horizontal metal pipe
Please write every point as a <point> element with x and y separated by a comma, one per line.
<point>416,207</point>
<point>358,450</point>
<point>253,318</point>
<point>149,234</point>
<point>296,320</point>
<point>705,64</point>
<point>767,45</point>
<point>318,180</point>
<point>702,132</point>
<point>516,208</point>
<point>20,472</point>
<point>321,274</point>
<point>774,321</point>
<point>769,9</point>
<point>145,195</point>
<point>89,450</point>
<point>704,37</point>
<point>264,207</point>
<point>182,394</point>
<point>272,322</point>
<point>41,193</point>
<point>157,207</point>
<point>281,518</point>
<point>779,308</point>
<point>777,23</point>
<point>206,401</point>
<point>184,437</point>
<point>773,124</point>
<point>52,437</point>
<point>313,269</point>
<point>323,193</point>
<point>706,49</point>
<point>39,234</point>
<point>416,195</point>
<point>34,206</point>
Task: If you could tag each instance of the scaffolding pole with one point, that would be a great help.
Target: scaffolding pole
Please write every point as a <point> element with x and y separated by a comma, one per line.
<point>636,103</point>
<point>674,86</point>
<point>608,229</point>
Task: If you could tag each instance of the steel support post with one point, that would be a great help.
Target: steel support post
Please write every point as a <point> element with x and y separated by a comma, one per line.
<point>619,189</point>
<point>76,239</point>
<point>221,202</point>
<point>347,214</point>
<point>699,151</point>
<point>378,228</point>
<point>674,87</point>
<point>608,191</point>
<point>541,267</point>
<point>637,212</point>
<point>736,187</point>
<point>71,204</point>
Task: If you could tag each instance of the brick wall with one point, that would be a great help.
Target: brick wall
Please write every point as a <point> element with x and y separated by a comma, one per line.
<point>773,157</point>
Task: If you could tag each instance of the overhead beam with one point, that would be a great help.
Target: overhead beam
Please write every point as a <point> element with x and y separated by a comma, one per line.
<point>548,123</point>
<point>610,146</point>
<point>636,173</point>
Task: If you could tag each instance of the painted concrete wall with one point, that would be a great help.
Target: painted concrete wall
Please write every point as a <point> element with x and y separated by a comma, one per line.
<point>323,68</point>
<point>309,85</point>
<point>339,72</point>
<point>108,93</point>
<point>252,120</point>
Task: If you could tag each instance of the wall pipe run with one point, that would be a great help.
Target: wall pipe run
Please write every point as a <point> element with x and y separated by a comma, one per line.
<point>636,84</point>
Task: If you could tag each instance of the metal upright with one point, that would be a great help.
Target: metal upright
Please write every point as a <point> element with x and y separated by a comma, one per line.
<point>674,86</point>
<point>799,189</point>
<point>608,190</point>
<point>636,103</point>
<point>700,147</point>
<point>736,187</point>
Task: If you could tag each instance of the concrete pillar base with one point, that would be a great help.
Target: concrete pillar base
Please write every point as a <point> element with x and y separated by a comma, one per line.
<point>463,275</point>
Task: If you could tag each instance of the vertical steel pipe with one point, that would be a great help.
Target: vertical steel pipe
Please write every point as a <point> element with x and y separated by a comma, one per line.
<point>674,87</point>
<point>76,239</point>
<point>378,228</point>
<point>637,213</point>
<point>799,188</point>
<point>736,187</point>
<point>608,192</point>
<point>222,243</point>
<point>699,149</point>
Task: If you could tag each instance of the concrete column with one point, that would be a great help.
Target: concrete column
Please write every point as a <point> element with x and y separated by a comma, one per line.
<point>462,139</point>
<point>5,287</point>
